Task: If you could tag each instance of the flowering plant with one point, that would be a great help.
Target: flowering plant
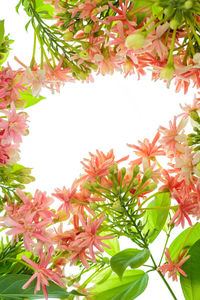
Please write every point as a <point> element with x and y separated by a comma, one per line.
<point>137,198</point>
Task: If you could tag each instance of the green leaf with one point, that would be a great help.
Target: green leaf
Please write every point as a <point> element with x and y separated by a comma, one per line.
<point>191,284</point>
<point>2,31</point>
<point>112,243</point>
<point>185,240</point>
<point>156,10</point>
<point>155,219</point>
<point>133,258</point>
<point>29,99</point>
<point>45,10</point>
<point>11,288</point>
<point>133,284</point>
<point>102,275</point>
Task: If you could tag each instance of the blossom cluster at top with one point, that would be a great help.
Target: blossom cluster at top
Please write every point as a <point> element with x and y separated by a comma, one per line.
<point>126,36</point>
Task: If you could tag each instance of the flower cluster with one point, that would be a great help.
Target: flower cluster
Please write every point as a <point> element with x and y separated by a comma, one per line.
<point>112,197</point>
<point>123,36</point>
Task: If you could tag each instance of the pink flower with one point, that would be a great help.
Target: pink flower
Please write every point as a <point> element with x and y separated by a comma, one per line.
<point>15,127</point>
<point>66,195</point>
<point>174,137</point>
<point>173,267</point>
<point>31,230</point>
<point>11,83</point>
<point>186,206</point>
<point>170,182</point>
<point>89,238</point>
<point>42,274</point>
<point>85,8</point>
<point>99,164</point>
<point>157,46</point>
<point>122,14</point>
<point>147,149</point>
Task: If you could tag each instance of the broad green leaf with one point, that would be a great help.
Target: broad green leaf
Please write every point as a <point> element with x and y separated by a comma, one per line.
<point>191,284</point>
<point>11,288</point>
<point>133,258</point>
<point>2,31</point>
<point>29,98</point>
<point>185,240</point>
<point>102,275</point>
<point>112,243</point>
<point>155,218</point>
<point>133,284</point>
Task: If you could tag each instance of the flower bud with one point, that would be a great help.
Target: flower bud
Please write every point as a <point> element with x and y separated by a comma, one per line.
<point>117,206</point>
<point>135,40</point>
<point>188,4</point>
<point>84,54</point>
<point>88,28</point>
<point>173,24</point>
<point>136,170</point>
<point>167,73</point>
<point>68,36</point>
<point>147,175</point>
<point>194,115</point>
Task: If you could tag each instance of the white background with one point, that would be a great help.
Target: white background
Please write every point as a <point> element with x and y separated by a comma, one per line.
<point>106,114</point>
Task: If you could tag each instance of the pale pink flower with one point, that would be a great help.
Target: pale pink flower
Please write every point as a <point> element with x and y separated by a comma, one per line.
<point>187,165</point>
<point>157,46</point>
<point>173,267</point>
<point>188,108</point>
<point>147,149</point>
<point>42,273</point>
<point>35,79</point>
<point>173,138</point>
<point>9,154</point>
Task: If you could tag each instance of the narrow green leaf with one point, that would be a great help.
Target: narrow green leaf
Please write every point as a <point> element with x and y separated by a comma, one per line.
<point>133,284</point>
<point>11,288</point>
<point>2,31</point>
<point>186,239</point>
<point>133,258</point>
<point>18,6</point>
<point>191,284</point>
<point>155,218</point>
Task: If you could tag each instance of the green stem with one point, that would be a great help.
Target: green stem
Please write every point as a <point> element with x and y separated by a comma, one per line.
<point>34,50</point>
<point>170,59</point>
<point>163,278</point>
<point>168,236</point>
<point>145,244</point>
